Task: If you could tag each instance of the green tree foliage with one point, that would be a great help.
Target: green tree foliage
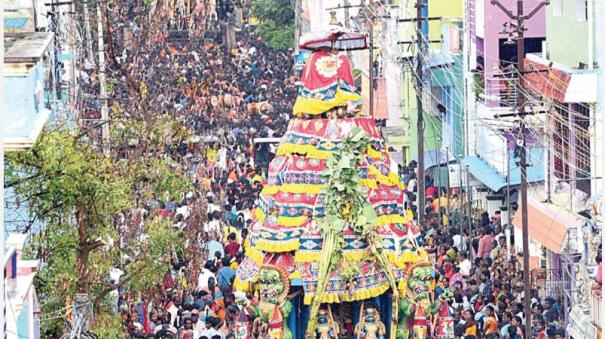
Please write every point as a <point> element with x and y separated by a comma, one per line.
<point>276,22</point>
<point>83,198</point>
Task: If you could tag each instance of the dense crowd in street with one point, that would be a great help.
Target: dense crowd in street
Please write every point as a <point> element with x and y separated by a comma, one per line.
<point>237,95</point>
<point>240,95</point>
<point>481,273</point>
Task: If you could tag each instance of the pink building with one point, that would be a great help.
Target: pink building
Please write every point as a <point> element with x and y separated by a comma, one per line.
<point>22,307</point>
<point>492,52</point>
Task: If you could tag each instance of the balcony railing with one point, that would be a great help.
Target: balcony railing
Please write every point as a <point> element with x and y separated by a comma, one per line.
<point>498,89</point>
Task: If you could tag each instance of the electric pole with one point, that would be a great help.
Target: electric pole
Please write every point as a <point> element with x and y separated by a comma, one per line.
<point>102,80</point>
<point>421,47</point>
<point>371,56</point>
<point>297,20</point>
<point>519,29</point>
<point>420,122</point>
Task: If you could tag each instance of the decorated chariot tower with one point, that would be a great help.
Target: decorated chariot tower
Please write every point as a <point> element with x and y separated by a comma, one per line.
<point>331,218</point>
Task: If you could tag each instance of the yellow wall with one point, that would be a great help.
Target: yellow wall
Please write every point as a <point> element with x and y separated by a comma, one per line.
<point>445,9</point>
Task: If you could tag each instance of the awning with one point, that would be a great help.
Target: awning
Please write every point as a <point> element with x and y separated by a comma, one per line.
<point>582,88</point>
<point>485,173</point>
<point>493,179</point>
<point>548,223</point>
<point>435,158</point>
<point>560,83</point>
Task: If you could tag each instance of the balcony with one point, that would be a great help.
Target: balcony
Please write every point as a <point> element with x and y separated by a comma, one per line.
<point>25,106</point>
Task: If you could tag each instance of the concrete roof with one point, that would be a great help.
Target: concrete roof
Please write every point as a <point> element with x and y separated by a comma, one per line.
<point>25,47</point>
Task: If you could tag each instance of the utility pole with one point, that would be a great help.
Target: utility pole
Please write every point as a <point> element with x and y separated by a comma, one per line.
<point>460,197</point>
<point>2,228</point>
<point>508,229</point>
<point>469,200</point>
<point>599,129</point>
<point>549,145</point>
<point>297,20</point>
<point>519,29</point>
<point>447,165</point>
<point>347,17</point>
<point>371,56</point>
<point>421,46</point>
<point>89,52</point>
<point>102,80</point>
<point>420,122</point>
<point>439,185</point>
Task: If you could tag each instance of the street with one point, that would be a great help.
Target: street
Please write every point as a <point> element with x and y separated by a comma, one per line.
<point>308,169</point>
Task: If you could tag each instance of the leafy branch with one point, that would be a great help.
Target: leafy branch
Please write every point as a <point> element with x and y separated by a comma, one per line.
<point>345,205</point>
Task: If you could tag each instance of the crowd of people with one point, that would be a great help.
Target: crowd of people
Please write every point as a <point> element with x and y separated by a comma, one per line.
<point>227,97</point>
<point>481,270</point>
<point>235,95</point>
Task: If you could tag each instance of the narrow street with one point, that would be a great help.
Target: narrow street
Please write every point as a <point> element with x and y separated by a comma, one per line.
<point>276,169</point>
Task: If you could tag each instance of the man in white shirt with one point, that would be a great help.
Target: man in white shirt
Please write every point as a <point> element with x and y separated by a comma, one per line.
<point>205,274</point>
<point>465,265</point>
<point>459,242</point>
<point>212,226</point>
<point>198,324</point>
<point>211,207</point>
<point>184,211</point>
<point>212,323</point>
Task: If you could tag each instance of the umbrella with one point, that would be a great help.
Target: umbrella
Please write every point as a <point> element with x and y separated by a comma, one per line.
<point>335,38</point>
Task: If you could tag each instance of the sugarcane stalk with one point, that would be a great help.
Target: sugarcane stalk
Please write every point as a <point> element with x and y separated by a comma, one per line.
<point>326,267</point>
<point>382,260</point>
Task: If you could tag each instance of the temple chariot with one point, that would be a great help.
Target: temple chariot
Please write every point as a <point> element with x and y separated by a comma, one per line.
<point>332,253</point>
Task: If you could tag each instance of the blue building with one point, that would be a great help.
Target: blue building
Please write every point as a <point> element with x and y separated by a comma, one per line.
<point>28,86</point>
<point>31,83</point>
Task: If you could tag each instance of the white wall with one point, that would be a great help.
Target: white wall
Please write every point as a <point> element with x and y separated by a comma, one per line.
<point>319,16</point>
<point>491,146</point>
<point>479,18</point>
<point>392,69</point>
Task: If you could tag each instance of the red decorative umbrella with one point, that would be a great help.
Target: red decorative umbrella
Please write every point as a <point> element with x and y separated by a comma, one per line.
<point>336,38</point>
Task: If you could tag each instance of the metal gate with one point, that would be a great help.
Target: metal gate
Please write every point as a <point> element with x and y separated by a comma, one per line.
<point>550,282</point>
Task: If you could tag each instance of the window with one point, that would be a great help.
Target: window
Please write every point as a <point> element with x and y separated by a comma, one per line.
<point>581,10</point>
<point>557,7</point>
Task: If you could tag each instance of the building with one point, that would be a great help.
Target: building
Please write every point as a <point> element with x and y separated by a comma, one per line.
<point>560,91</point>
<point>31,72</point>
<point>34,69</point>
<point>441,56</point>
<point>491,142</point>
<point>22,306</point>
<point>28,79</point>
<point>564,81</point>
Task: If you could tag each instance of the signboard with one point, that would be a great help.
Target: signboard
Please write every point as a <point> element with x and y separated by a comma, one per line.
<point>24,15</point>
<point>579,324</point>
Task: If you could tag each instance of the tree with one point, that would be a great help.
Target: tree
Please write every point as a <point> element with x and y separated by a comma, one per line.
<point>91,204</point>
<point>79,195</point>
<point>276,19</point>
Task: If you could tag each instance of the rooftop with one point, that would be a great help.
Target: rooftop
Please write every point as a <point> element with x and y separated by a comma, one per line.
<point>25,47</point>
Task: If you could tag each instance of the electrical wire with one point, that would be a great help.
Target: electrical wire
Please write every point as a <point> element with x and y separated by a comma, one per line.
<point>417,76</point>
